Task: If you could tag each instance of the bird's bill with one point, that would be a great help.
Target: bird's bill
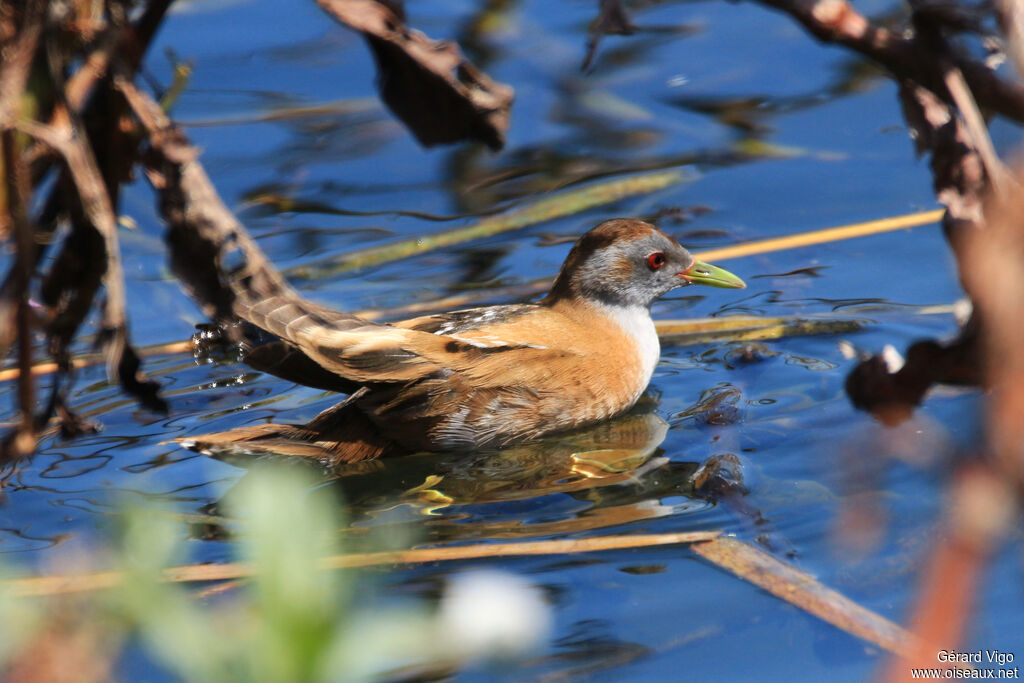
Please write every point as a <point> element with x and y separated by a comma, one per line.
<point>701,273</point>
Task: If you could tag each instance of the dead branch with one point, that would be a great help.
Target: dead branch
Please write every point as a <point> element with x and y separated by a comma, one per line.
<point>794,586</point>
<point>82,265</point>
<point>745,561</point>
<point>1010,14</point>
<point>18,51</point>
<point>14,193</point>
<point>203,234</point>
<point>130,48</point>
<point>22,440</point>
<point>122,361</point>
<point>905,57</point>
<point>76,583</point>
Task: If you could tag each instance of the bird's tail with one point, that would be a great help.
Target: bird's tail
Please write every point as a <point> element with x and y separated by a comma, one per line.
<point>335,437</point>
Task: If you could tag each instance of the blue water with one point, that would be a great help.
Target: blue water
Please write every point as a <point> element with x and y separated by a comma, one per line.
<point>848,159</point>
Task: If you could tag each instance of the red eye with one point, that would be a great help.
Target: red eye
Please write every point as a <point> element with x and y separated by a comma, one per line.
<point>656,260</point>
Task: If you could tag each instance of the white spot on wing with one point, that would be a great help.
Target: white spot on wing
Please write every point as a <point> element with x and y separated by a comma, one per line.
<point>483,342</point>
<point>463,321</point>
<point>489,342</point>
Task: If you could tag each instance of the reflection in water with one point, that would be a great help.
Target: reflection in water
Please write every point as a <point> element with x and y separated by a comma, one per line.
<point>320,133</point>
<point>746,114</point>
<point>607,475</point>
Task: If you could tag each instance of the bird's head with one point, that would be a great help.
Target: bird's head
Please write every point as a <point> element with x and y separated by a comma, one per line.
<point>626,262</point>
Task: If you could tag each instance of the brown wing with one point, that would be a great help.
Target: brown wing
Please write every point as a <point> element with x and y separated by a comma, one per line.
<point>371,353</point>
<point>467,320</point>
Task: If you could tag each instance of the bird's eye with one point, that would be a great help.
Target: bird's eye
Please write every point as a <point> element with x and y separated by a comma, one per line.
<point>656,260</point>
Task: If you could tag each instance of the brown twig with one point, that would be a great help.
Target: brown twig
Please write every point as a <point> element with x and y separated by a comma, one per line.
<point>745,561</point>
<point>14,72</point>
<point>977,129</point>
<point>23,440</point>
<point>202,232</point>
<point>836,21</point>
<point>127,42</point>
<point>122,362</point>
<point>931,30</point>
<point>794,586</point>
<point>130,47</point>
<point>17,61</point>
<point>980,509</point>
<point>74,583</point>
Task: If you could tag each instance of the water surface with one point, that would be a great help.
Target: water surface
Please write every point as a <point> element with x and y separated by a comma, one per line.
<point>688,98</point>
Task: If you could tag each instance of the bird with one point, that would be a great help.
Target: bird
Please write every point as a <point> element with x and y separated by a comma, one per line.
<point>480,378</point>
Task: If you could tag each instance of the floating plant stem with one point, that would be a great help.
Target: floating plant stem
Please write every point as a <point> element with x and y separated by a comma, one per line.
<point>556,206</point>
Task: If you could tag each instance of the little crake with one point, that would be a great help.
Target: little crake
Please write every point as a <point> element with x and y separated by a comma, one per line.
<point>483,377</point>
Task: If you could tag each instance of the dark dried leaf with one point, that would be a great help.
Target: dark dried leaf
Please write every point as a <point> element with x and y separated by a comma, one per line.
<point>428,84</point>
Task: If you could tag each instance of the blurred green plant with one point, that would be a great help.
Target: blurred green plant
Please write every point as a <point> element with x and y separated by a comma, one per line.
<point>291,621</point>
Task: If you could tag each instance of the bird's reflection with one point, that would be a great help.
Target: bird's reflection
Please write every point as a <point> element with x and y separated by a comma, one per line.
<point>609,474</point>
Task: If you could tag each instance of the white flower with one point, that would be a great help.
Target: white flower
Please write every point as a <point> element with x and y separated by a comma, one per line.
<point>492,614</point>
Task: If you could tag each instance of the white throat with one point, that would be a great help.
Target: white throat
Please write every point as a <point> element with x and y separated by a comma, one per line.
<point>636,322</point>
